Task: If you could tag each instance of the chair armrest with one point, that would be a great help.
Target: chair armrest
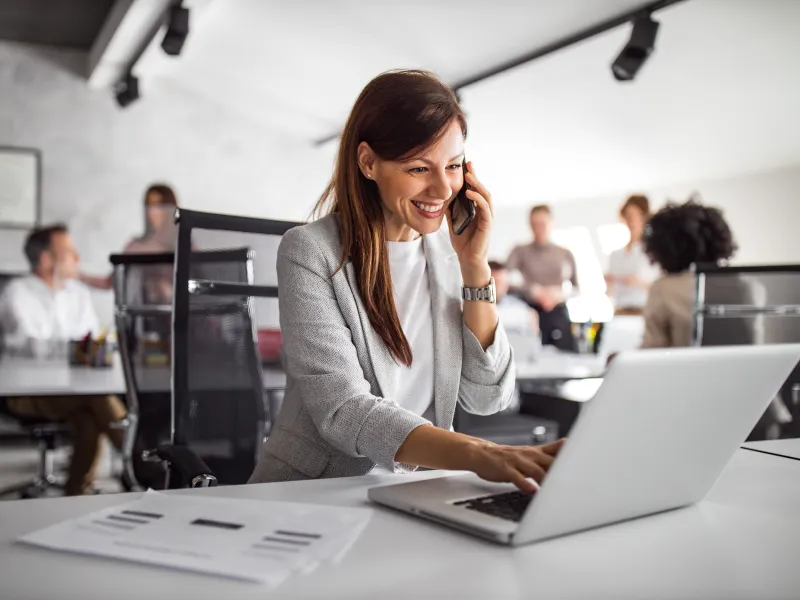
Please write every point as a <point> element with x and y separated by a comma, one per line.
<point>191,470</point>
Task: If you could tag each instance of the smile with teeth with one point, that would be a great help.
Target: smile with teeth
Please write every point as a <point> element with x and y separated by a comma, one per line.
<point>427,207</point>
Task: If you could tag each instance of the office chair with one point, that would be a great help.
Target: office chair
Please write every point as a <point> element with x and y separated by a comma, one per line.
<point>508,428</point>
<point>748,306</point>
<point>143,314</point>
<point>221,412</point>
<point>46,434</point>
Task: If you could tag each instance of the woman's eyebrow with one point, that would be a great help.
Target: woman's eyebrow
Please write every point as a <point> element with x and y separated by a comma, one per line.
<point>428,162</point>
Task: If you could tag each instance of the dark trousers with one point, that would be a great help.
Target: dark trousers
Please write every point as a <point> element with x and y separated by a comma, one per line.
<point>556,327</point>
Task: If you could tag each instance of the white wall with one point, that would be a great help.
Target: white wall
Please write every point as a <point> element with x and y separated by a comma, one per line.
<point>98,159</point>
<point>763,209</point>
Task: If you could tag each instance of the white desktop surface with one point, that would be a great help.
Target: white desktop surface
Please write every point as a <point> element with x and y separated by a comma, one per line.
<point>789,448</point>
<point>742,542</point>
<point>561,365</point>
<point>29,377</point>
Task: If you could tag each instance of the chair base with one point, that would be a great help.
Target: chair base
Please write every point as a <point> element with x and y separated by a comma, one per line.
<point>45,478</point>
<point>32,488</point>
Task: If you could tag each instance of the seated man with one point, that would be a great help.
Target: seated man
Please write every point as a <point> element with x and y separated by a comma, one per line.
<point>47,308</point>
<point>519,320</point>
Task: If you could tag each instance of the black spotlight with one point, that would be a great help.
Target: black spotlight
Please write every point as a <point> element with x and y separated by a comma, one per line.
<point>177,30</point>
<point>637,50</point>
<point>126,91</point>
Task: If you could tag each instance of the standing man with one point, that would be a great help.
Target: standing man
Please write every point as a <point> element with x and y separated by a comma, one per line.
<point>549,277</point>
<point>48,307</point>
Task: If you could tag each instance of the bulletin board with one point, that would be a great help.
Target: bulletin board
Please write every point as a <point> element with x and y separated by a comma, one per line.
<point>20,188</point>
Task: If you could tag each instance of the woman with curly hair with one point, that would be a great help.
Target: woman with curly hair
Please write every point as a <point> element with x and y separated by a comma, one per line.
<point>676,237</point>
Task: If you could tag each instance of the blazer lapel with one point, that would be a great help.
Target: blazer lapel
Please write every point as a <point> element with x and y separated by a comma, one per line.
<point>445,286</point>
<point>383,363</point>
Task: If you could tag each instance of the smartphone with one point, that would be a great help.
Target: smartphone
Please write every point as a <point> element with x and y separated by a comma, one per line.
<point>462,209</point>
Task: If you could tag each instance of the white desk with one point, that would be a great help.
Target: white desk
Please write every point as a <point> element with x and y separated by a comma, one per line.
<point>28,377</point>
<point>562,365</point>
<point>789,448</point>
<point>742,542</point>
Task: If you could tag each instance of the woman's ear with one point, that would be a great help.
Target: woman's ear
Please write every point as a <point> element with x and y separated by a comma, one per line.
<point>366,160</point>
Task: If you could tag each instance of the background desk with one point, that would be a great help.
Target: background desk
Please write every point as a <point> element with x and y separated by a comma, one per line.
<point>551,365</point>
<point>742,542</point>
<point>28,377</point>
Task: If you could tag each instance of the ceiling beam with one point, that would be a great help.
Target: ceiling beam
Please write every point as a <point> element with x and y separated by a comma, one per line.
<point>130,27</point>
<point>543,51</point>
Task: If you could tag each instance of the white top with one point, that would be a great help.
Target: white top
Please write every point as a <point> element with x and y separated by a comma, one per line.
<point>740,543</point>
<point>30,310</point>
<point>624,263</point>
<point>412,297</point>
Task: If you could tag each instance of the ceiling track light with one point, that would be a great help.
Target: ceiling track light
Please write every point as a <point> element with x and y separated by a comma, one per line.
<point>177,30</point>
<point>126,90</point>
<point>638,49</point>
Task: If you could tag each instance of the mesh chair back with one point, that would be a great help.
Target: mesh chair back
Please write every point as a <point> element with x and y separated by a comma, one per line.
<point>143,286</point>
<point>219,402</point>
<point>747,305</point>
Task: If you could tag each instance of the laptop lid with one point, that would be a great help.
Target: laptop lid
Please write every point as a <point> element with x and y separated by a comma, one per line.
<point>657,435</point>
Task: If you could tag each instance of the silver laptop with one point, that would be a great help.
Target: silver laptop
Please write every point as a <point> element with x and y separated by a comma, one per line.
<point>657,435</point>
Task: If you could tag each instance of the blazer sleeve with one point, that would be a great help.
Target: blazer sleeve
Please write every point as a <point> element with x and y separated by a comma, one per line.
<point>488,378</point>
<point>321,359</point>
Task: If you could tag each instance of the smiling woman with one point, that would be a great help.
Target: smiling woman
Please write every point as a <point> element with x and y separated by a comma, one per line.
<point>379,345</point>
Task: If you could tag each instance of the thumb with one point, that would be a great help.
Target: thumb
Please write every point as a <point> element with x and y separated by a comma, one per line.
<point>553,447</point>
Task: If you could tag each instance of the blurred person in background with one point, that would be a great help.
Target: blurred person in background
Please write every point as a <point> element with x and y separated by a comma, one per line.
<point>46,309</point>
<point>520,321</point>
<point>160,203</point>
<point>630,271</point>
<point>549,277</point>
<point>515,314</point>
<point>676,237</point>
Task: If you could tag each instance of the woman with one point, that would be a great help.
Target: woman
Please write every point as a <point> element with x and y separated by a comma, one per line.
<point>160,203</point>
<point>678,236</point>
<point>630,272</point>
<point>378,346</point>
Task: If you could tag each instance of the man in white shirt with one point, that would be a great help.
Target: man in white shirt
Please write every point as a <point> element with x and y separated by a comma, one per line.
<point>49,307</point>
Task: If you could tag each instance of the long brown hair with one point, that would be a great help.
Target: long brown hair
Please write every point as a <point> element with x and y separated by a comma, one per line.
<point>168,198</point>
<point>400,114</point>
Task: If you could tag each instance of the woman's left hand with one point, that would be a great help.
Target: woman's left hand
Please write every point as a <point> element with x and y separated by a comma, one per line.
<point>472,246</point>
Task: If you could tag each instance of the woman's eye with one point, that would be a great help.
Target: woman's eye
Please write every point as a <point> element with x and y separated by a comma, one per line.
<point>455,167</point>
<point>418,170</point>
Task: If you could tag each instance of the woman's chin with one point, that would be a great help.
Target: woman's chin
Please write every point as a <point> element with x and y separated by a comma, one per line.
<point>427,226</point>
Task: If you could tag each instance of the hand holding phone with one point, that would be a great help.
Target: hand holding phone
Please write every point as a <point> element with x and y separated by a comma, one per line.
<point>462,209</point>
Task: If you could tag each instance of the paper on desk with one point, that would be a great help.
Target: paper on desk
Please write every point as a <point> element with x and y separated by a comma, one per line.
<point>245,539</point>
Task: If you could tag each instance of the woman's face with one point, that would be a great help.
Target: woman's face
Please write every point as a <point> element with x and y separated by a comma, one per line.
<point>157,214</point>
<point>635,220</point>
<point>416,193</point>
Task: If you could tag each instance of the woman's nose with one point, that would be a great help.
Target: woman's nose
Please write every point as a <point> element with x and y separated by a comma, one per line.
<point>440,187</point>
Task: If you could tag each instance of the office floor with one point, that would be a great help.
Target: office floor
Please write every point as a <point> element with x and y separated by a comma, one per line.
<point>18,462</point>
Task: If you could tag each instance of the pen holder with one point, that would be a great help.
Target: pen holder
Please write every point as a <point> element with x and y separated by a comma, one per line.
<point>90,353</point>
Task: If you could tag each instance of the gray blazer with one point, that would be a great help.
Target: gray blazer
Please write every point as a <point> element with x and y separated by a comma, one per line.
<point>338,418</point>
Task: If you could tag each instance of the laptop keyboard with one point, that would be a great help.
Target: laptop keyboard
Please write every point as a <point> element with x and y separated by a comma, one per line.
<point>510,505</point>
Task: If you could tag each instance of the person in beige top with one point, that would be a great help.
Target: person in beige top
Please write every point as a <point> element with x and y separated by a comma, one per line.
<point>549,277</point>
<point>677,236</point>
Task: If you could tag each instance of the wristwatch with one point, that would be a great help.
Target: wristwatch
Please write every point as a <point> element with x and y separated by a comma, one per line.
<point>484,293</point>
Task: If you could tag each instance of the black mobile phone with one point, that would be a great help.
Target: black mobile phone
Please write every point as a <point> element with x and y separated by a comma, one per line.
<point>462,209</point>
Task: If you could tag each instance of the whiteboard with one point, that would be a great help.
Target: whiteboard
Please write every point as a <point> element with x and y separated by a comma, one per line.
<point>19,187</point>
